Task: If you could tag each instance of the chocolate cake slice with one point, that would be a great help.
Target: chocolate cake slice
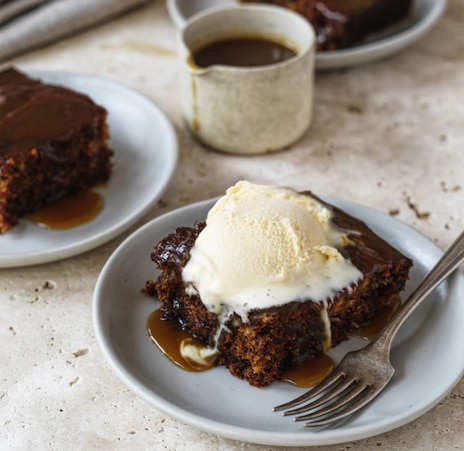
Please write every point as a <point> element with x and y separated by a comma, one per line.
<point>343,23</point>
<point>262,345</point>
<point>53,143</point>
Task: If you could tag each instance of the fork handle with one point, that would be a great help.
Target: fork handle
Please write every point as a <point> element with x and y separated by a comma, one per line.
<point>443,268</point>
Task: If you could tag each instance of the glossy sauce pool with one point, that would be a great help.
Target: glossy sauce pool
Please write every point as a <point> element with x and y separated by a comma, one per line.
<point>69,212</point>
<point>168,337</point>
<point>377,323</point>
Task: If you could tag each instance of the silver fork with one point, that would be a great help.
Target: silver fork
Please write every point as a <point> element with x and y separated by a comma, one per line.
<point>363,374</point>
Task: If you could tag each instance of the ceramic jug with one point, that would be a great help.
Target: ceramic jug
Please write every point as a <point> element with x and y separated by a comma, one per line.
<point>248,110</point>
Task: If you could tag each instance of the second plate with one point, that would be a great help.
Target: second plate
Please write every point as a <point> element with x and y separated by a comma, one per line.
<point>424,15</point>
<point>145,147</point>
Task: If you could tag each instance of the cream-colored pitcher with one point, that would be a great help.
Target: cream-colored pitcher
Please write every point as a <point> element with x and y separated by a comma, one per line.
<point>248,110</point>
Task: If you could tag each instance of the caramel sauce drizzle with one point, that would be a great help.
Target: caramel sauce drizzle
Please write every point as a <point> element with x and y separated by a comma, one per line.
<point>168,337</point>
<point>370,330</point>
<point>311,372</point>
<point>69,212</point>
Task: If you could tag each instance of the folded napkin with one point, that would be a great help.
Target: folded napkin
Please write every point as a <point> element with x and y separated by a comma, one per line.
<point>13,8</point>
<point>27,24</point>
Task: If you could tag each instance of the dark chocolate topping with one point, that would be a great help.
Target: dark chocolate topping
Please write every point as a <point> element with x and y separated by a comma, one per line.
<point>367,249</point>
<point>31,113</point>
<point>347,7</point>
<point>344,23</point>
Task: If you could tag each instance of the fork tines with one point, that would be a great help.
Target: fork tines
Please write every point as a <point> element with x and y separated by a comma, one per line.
<point>340,397</point>
<point>334,380</point>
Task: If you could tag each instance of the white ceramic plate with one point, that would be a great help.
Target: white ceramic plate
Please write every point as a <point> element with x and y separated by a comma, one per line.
<point>145,147</point>
<point>425,14</point>
<point>427,352</point>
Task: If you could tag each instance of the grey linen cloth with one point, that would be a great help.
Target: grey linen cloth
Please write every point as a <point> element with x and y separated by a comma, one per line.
<point>28,24</point>
<point>13,8</point>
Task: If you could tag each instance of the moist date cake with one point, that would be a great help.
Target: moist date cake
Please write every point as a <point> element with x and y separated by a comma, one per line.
<point>259,341</point>
<point>343,23</point>
<point>53,143</point>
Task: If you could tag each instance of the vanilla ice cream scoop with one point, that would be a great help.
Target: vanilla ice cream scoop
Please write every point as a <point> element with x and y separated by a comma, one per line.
<point>264,246</point>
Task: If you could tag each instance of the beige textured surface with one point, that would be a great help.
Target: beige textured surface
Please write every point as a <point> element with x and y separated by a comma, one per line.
<point>389,135</point>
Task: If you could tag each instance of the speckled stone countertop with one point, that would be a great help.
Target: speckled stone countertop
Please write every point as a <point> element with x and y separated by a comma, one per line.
<point>389,135</point>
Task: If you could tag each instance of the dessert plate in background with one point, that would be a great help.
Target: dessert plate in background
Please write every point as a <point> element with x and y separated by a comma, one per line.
<point>145,156</point>
<point>427,352</point>
<point>424,15</point>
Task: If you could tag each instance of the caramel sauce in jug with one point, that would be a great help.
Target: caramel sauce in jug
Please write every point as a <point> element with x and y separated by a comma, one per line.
<point>242,52</point>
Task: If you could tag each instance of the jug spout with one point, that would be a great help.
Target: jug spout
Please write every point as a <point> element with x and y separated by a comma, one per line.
<point>194,69</point>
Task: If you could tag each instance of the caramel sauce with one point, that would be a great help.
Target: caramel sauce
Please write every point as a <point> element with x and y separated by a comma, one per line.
<point>311,372</point>
<point>169,337</point>
<point>242,52</point>
<point>378,322</point>
<point>69,212</point>
<point>195,120</point>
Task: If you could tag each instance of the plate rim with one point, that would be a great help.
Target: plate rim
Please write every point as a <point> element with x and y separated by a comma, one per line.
<point>364,53</point>
<point>111,231</point>
<point>376,50</point>
<point>235,432</point>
